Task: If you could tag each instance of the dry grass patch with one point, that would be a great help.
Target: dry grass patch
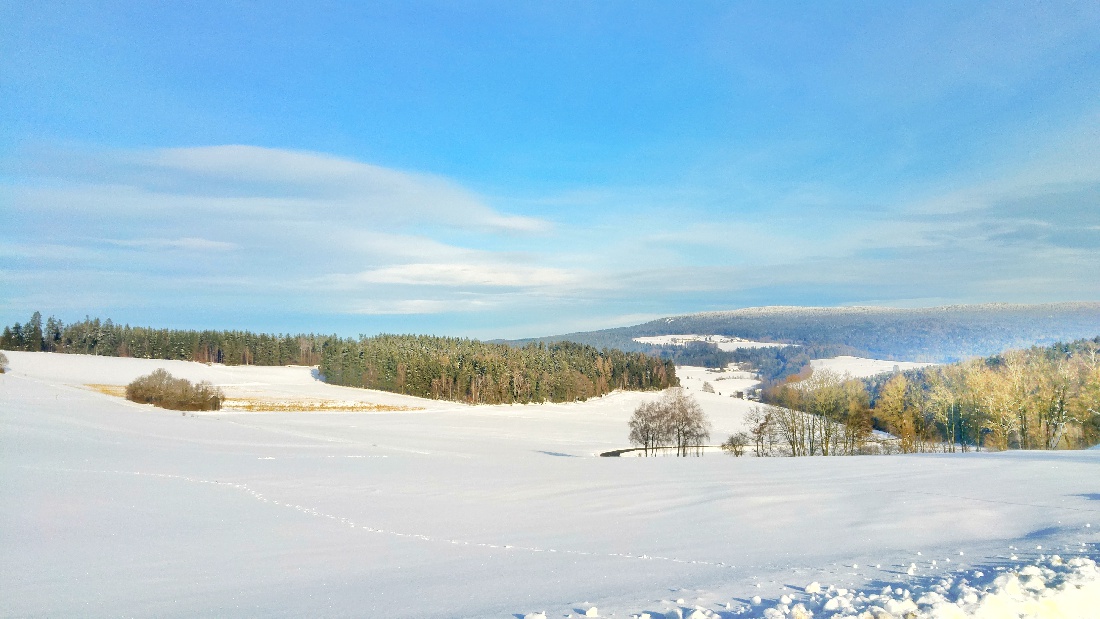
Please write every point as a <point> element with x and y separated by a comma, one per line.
<point>279,405</point>
<point>119,391</point>
<point>308,406</point>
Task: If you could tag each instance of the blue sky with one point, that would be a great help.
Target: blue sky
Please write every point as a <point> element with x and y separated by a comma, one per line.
<point>521,169</point>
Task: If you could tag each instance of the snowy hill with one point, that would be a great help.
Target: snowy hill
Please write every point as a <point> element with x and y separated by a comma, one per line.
<point>109,508</point>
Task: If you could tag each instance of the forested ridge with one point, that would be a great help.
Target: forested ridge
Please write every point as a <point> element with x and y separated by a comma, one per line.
<point>456,369</point>
<point>477,372</point>
<point>938,334</point>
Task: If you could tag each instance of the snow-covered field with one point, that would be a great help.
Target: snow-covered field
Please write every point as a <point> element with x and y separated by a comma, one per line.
<point>108,508</point>
<point>725,382</point>
<point>723,342</point>
<point>858,367</point>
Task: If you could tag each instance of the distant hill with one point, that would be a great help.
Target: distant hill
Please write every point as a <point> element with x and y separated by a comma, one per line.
<point>938,334</point>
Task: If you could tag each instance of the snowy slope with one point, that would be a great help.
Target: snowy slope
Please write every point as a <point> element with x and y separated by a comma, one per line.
<point>859,367</point>
<point>723,342</point>
<point>108,508</point>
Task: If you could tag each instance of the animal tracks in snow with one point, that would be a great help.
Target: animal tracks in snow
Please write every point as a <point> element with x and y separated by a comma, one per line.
<point>255,494</point>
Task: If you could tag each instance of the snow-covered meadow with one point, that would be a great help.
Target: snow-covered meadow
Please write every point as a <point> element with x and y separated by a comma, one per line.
<point>859,367</point>
<point>723,342</point>
<point>108,508</point>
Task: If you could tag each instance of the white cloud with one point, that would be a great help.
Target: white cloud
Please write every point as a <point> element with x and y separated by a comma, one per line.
<point>284,217</point>
<point>186,244</point>
<point>248,181</point>
<point>422,306</point>
<point>318,183</point>
<point>45,251</point>
<point>467,275</point>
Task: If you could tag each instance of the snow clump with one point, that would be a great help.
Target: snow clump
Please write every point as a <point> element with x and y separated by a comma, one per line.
<point>1051,587</point>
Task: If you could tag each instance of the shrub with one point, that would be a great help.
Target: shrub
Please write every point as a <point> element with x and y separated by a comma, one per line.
<point>166,391</point>
<point>736,444</point>
<point>3,362</point>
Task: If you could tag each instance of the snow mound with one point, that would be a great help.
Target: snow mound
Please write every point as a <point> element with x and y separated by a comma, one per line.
<point>1050,587</point>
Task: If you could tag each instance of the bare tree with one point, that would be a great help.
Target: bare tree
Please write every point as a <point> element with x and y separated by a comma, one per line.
<point>761,422</point>
<point>675,420</point>
<point>1053,385</point>
<point>689,426</point>
<point>826,399</point>
<point>649,427</point>
<point>895,407</point>
<point>857,428</point>
<point>793,427</point>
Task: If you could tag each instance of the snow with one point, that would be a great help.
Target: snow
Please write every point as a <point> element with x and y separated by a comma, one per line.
<point>1050,587</point>
<point>858,367</point>
<point>723,342</point>
<point>109,508</point>
<point>726,382</point>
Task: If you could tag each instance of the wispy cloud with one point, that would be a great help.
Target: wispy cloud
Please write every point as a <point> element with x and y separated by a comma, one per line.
<point>250,181</point>
<point>258,228</point>
<point>467,275</point>
<point>421,306</point>
<point>185,244</point>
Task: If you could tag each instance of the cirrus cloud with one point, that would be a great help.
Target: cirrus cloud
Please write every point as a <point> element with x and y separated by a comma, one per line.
<point>467,275</point>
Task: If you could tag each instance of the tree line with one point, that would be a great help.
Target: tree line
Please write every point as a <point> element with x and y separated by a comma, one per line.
<point>449,368</point>
<point>477,372</point>
<point>434,367</point>
<point>95,337</point>
<point>1038,398</point>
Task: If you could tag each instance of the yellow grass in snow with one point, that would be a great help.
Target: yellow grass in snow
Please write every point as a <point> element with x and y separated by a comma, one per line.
<point>321,406</point>
<point>278,405</point>
<point>115,390</point>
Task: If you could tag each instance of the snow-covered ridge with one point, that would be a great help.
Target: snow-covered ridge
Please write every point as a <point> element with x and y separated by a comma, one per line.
<point>723,342</point>
<point>772,310</point>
